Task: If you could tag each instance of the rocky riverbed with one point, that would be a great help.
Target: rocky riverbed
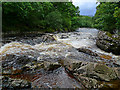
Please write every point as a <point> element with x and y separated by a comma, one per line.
<point>63,60</point>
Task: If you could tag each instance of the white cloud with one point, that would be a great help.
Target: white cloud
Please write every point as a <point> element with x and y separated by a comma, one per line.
<point>87,7</point>
<point>84,0</point>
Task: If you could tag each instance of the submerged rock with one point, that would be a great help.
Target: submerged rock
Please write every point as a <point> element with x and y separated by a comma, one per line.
<point>87,51</point>
<point>109,42</point>
<point>64,36</point>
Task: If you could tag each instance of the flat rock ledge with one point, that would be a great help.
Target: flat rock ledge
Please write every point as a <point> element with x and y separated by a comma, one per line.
<point>90,74</point>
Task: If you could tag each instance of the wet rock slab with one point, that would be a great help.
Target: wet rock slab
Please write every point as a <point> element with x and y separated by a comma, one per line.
<point>56,79</point>
<point>90,74</point>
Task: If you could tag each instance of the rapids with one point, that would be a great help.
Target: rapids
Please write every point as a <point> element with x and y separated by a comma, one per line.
<point>66,45</point>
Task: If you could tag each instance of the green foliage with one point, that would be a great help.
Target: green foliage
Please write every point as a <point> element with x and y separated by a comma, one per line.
<point>82,21</point>
<point>27,16</point>
<point>75,22</point>
<point>107,16</point>
<point>117,16</point>
<point>43,17</point>
<point>54,20</point>
<point>0,16</point>
<point>66,23</point>
<point>86,21</point>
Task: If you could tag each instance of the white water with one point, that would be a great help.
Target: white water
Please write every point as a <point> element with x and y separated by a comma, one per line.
<point>83,37</point>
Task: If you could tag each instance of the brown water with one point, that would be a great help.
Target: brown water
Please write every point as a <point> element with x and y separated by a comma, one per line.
<point>34,48</point>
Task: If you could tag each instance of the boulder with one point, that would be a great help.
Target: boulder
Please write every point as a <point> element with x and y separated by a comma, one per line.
<point>33,66</point>
<point>48,38</point>
<point>15,83</point>
<point>89,73</point>
<point>71,64</point>
<point>98,72</point>
<point>109,42</point>
<point>50,66</point>
<point>46,65</point>
<point>89,82</point>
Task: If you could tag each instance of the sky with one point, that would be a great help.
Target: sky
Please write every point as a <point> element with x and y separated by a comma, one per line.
<point>87,7</point>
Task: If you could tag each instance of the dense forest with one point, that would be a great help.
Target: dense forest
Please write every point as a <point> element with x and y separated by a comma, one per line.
<point>107,17</point>
<point>58,16</point>
<point>43,16</point>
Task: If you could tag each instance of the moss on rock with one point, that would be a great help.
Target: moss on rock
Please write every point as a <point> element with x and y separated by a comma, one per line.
<point>109,42</point>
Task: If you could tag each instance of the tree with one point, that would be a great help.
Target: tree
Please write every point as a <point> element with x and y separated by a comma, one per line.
<point>54,20</point>
<point>107,16</point>
<point>27,16</point>
<point>117,16</point>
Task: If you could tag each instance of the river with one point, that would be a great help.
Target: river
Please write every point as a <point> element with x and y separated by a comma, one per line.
<point>18,52</point>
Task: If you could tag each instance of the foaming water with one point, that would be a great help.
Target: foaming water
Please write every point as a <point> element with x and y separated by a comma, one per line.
<point>65,46</point>
<point>14,47</point>
<point>84,38</point>
<point>53,50</point>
